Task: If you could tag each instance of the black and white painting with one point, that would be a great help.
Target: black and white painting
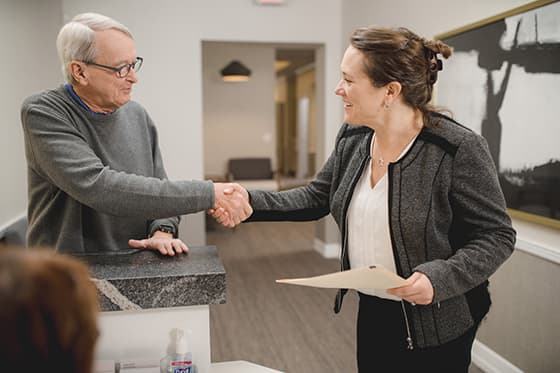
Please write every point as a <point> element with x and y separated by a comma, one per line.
<point>503,81</point>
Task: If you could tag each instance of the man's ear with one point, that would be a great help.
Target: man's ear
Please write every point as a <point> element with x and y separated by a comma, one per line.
<point>79,73</point>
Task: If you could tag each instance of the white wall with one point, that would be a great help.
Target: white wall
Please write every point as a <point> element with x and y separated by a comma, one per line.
<point>28,64</point>
<point>238,118</point>
<point>169,35</point>
<point>427,18</point>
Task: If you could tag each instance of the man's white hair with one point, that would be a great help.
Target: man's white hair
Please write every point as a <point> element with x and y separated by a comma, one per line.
<point>76,39</point>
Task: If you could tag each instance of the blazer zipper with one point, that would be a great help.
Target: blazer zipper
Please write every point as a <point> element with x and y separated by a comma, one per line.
<point>409,345</point>
<point>409,341</point>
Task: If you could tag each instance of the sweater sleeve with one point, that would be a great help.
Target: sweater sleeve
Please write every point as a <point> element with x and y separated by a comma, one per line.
<point>60,153</point>
<point>480,220</point>
<point>159,172</point>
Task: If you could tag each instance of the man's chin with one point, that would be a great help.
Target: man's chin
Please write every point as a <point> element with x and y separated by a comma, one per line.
<point>123,102</point>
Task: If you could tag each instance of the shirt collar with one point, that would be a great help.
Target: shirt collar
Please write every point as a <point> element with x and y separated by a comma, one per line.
<point>78,100</point>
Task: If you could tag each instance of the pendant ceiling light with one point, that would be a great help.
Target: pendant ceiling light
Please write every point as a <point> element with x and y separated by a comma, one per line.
<point>235,71</point>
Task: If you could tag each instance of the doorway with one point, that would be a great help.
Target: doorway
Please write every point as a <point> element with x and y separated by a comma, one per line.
<point>296,119</point>
<point>272,115</point>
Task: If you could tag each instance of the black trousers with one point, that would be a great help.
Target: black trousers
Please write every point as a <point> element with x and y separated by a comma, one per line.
<point>382,343</point>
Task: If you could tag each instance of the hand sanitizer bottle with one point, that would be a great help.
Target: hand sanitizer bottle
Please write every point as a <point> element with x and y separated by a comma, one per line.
<point>181,360</point>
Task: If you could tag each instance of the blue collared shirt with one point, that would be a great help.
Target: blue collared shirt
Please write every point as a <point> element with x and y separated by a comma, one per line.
<point>78,100</point>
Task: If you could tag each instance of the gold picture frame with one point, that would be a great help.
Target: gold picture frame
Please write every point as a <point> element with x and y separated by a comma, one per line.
<point>502,81</point>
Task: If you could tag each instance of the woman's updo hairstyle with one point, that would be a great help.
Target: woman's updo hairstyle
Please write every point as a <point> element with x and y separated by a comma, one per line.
<point>402,56</point>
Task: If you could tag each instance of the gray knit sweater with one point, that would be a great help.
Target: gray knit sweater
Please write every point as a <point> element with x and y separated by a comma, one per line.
<point>447,218</point>
<point>95,181</point>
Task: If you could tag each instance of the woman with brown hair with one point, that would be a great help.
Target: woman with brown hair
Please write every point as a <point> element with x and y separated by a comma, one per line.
<point>48,313</point>
<point>414,191</point>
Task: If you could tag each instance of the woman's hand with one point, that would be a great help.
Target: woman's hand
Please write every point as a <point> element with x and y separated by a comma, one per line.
<point>418,291</point>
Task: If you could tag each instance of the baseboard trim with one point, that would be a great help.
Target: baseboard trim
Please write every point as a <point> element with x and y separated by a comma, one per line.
<point>327,250</point>
<point>538,250</point>
<point>12,221</point>
<point>489,361</point>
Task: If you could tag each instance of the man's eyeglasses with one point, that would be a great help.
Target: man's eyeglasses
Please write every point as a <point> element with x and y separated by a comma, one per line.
<point>122,71</point>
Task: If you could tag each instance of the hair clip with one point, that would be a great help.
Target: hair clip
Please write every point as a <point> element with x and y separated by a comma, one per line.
<point>436,64</point>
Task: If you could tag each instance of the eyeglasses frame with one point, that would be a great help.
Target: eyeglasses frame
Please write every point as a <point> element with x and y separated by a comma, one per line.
<point>118,69</point>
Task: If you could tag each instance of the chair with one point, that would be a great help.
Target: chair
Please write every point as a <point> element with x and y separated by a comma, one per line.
<point>252,173</point>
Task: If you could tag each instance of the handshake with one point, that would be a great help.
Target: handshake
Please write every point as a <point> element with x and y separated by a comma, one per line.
<point>231,204</point>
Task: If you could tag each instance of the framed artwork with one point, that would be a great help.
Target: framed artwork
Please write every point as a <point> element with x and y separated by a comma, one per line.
<point>503,81</point>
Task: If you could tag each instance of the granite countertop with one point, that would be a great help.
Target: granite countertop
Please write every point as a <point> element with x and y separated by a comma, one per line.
<point>144,279</point>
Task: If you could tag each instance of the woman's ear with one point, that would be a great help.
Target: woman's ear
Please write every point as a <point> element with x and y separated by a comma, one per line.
<point>79,73</point>
<point>394,89</point>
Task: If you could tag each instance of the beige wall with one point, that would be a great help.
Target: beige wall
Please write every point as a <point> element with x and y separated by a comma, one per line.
<point>238,118</point>
<point>28,64</point>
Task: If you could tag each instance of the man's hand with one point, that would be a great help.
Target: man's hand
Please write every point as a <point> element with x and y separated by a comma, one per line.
<point>231,205</point>
<point>418,291</point>
<point>161,241</point>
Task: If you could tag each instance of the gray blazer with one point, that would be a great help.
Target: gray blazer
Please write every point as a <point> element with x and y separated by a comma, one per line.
<point>447,219</point>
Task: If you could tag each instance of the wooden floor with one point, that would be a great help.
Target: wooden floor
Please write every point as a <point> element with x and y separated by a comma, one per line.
<point>289,328</point>
<point>285,327</point>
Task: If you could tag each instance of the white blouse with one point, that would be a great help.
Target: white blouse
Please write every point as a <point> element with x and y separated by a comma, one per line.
<point>369,240</point>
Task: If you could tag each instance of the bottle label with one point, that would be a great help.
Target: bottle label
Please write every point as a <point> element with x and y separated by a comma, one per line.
<point>182,369</point>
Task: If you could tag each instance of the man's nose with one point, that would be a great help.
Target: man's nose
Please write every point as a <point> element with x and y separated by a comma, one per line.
<point>132,77</point>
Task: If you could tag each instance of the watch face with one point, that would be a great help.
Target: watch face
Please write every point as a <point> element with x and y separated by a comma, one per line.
<point>166,229</point>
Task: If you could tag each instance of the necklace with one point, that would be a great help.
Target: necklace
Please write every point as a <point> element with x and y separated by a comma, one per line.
<point>380,162</point>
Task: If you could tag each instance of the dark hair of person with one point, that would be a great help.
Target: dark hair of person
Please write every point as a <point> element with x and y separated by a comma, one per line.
<point>402,56</point>
<point>48,312</point>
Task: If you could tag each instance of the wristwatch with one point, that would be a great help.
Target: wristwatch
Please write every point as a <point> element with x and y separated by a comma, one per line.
<point>165,228</point>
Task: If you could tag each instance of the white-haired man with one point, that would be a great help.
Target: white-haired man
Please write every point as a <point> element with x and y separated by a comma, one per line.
<point>96,180</point>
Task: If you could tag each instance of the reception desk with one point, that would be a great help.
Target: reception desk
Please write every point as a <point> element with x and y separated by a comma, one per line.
<point>145,296</point>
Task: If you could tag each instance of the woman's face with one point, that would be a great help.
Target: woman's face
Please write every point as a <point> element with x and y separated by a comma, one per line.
<point>363,103</point>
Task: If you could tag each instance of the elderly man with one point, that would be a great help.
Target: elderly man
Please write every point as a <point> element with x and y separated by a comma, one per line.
<point>96,180</point>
